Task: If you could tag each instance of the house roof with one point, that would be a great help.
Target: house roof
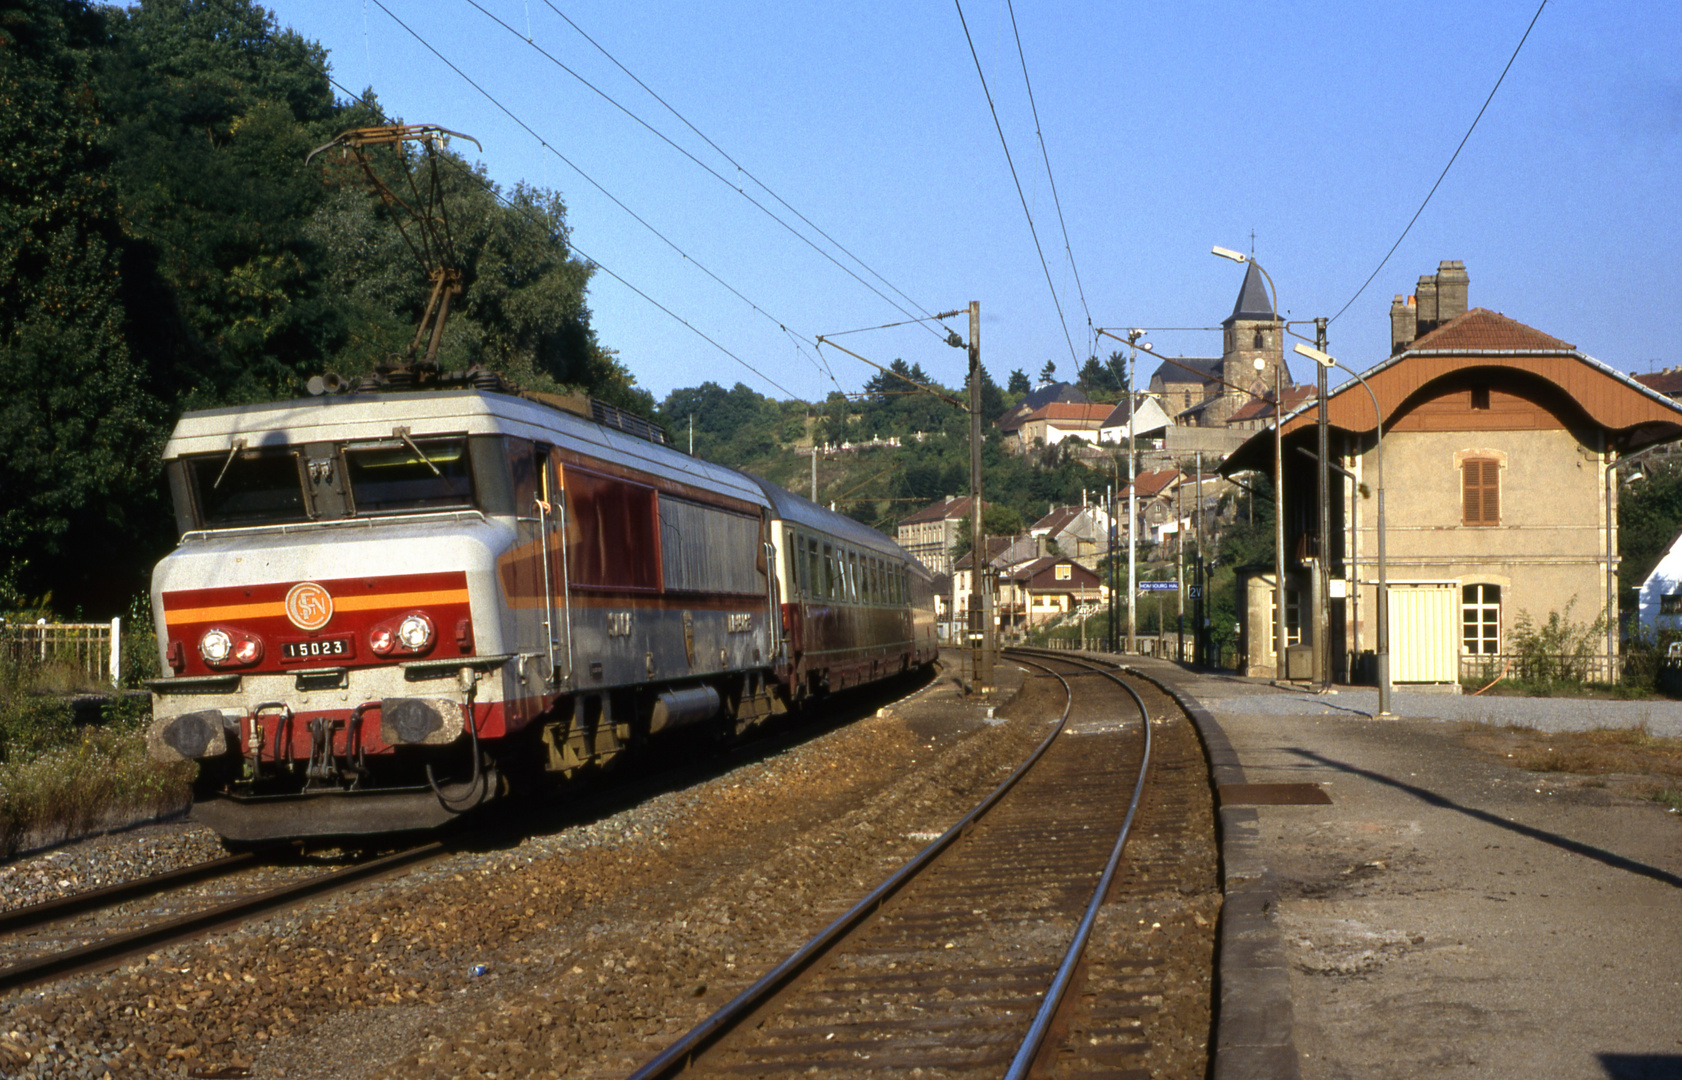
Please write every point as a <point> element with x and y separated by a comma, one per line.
<point>996,546</point>
<point>1481,330</point>
<point>1253,302</point>
<point>1668,382</point>
<point>952,508</point>
<point>1049,392</point>
<point>1260,408</point>
<point>1174,370</point>
<point>1634,415</point>
<point>1079,412</point>
<point>1153,483</point>
<point>1082,578</point>
<point>1056,520</point>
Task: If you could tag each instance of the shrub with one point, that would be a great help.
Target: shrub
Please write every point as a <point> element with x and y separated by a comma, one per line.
<point>1557,651</point>
<point>105,777</point>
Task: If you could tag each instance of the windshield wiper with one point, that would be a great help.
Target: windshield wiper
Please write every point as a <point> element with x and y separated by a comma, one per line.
<point>238,445</point>
<point>403,433</point>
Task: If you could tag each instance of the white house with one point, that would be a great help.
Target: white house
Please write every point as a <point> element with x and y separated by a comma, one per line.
<point>1149,424</point>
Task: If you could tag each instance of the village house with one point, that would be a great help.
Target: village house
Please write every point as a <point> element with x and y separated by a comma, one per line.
<point>930,533</point>
<point>1499,495</point>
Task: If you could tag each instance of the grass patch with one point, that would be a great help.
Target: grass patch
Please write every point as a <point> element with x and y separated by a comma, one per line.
<point>105,777</point>
<point>59,779</point>
<point>1653,763</point>
<point>1671,797</point>
<point>1629,691</point>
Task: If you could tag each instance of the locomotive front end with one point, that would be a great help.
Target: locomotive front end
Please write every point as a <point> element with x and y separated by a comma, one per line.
<point>331,626</point>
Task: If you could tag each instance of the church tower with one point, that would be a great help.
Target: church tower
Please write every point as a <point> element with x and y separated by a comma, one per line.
<point>1250,333</point>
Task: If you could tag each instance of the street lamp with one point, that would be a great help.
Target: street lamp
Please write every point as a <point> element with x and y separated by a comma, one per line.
<point>1278,471</point>
<point>1384,688</point>
<point>1133,347</point>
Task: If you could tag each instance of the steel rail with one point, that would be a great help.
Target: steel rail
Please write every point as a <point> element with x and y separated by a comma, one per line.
<point>680,1054</point>
<point>69,961</point>
<point>52,910</point>
<point>1023,1063</point>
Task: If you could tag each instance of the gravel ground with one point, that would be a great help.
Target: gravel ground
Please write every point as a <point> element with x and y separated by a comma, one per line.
<point>1660,717</point>
<point>105,860</point>
<point>594,944</point>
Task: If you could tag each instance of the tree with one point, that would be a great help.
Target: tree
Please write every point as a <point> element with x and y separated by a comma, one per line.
<point>997,519</point>
<point>1048,372</point>
<point>78,427</point>
<point>1097,378</point>
<point>1649,518</point>
<point>1019,383</point>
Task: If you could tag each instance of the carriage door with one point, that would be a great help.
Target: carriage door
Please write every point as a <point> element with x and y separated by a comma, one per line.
<point>533,579</point>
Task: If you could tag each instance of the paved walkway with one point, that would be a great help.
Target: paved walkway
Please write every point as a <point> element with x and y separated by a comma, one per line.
<point>1446,915</point>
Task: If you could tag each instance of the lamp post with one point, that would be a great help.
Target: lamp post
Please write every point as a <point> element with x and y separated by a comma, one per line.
<point>1384,688</point>
<point>1133,347</point>
<point>1278,468</point>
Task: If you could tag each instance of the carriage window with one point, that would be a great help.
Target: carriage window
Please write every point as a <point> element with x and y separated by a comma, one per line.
<point>612,531</point>
<point>852,576</point>
<point>524,463</point>
<point>815,569</point>
<point>831,586</point>
<point>249,487</point>
<point>796,563</point>
<point>430,474</point>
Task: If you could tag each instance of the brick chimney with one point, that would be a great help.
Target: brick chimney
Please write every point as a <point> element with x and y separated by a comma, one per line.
<point>1404,323</point>
<point>1441,296</point>
<point>1452,285</point>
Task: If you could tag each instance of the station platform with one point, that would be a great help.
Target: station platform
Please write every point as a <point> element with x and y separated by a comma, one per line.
<point>1435,911</point>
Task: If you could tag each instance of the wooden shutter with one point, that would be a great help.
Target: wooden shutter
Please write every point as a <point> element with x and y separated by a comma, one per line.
<point>1480,491</point>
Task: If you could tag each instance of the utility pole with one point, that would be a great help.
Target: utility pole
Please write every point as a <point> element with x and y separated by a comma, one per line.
<point>1279,518</point>
<point>1202,601</point>
<point>1109,566</point>
<point>814,464</point>
<point>980,606</point>
<point>1133,337</point>
<point>1180,567</point>
<point>1323,557</point>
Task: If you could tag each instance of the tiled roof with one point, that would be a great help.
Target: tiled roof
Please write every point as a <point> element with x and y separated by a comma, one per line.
<point>940,511</point>
<point>1203,368</point>
<point>1069,410</point>
<point>1057,391</point>
<point>1056,519</point>
<point>1253,302</point>
<point>1482,330</point>
<point>1665,382</point>
<point>1154,482</point>
<point>1259,408</point>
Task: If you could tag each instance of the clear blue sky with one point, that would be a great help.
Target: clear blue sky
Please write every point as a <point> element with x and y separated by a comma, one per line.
<point>1169,127</point>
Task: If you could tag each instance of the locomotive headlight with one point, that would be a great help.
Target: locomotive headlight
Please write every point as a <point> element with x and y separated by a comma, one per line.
<point>248,650</point>
<point>382,640</point>
<point>414,633</point>
<point>216,646</point>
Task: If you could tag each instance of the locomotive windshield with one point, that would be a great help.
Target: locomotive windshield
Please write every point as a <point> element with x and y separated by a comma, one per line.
<point>428,475</point>
<point>327,481</point>
<point>249,487</point>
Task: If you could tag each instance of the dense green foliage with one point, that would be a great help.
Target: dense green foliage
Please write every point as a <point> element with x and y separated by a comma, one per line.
<point>165,246</point>
<point>859,468</point>
<point>1649,518</point>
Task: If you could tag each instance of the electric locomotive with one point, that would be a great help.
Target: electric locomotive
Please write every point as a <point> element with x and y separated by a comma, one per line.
<point>389,608</point>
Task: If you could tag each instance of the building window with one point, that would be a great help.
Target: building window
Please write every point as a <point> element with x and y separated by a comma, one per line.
<point>1480,491</point>
<point>1261,340</point>
<point>1480,619</point>
<point>1064,572</point>
<point>1293,617</point>
<point>1480,398</point>
<point>1670,604</point>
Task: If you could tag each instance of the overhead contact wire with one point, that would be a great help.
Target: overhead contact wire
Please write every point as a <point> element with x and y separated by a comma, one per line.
<point>1017,180</point>
<point>739,166</point>
<point>1039,133</point>
<point>662,136</point>
<point>592,181</point>
<point>1452,158</point>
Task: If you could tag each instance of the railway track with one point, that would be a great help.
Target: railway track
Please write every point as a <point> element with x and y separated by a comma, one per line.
<point>970,959</point>
<point>105,950</point>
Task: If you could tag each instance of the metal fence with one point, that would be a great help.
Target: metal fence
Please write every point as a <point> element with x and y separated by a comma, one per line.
<point>94,649</point>
<point>1533,667</point>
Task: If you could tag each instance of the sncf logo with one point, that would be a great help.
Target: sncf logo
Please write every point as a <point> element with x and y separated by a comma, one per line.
<point>308,606</point>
